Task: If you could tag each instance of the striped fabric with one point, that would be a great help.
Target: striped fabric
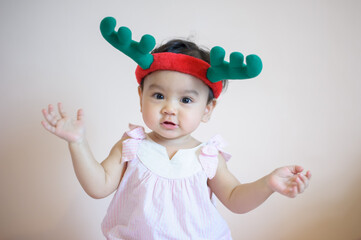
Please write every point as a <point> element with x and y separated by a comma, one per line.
<point>209,155</point>
<point>164,201</point>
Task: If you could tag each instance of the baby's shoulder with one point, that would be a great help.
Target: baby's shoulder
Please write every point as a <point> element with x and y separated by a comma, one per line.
<point>214,146</point>
<point>119,145</point>
<point>212,155</point>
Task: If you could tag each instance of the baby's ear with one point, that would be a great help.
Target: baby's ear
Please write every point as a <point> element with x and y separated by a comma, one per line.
<point>140,93</point>
<point>208,110</point>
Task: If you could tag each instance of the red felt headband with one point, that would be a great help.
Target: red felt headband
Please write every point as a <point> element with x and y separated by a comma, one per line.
<point>180,63</point>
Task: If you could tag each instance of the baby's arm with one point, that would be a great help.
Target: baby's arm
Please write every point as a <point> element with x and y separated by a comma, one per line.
<point>98,180</point>
<point>242,198</point>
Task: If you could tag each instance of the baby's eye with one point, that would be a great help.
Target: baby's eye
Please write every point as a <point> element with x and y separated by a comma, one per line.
<point>158,96</point>
<point>186,100</point>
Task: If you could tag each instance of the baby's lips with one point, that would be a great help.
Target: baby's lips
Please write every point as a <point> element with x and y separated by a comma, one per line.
<point>169,122</point>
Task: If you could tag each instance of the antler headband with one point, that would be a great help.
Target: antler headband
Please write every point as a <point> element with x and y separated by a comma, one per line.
<point>210,74</point>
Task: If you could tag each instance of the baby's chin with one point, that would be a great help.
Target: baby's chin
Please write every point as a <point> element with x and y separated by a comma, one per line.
<point>168,136</point>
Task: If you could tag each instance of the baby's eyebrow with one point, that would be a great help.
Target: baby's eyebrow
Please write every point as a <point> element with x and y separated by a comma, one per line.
<point>155,86</point>
<point>194,92</point>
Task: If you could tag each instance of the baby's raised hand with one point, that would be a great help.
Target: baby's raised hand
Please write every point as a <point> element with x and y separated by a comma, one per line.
<point>289,181</point>
<point>71,130</point>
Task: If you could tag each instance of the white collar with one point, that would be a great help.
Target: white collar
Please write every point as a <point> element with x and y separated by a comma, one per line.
<point>184,163</point>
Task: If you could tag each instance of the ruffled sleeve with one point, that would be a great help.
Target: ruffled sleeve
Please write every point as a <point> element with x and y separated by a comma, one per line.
<point>209,155</point>
<point>130,146</point>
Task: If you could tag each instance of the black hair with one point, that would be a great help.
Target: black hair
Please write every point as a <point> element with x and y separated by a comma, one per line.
<point>188,48</point>
<point>184,47</point>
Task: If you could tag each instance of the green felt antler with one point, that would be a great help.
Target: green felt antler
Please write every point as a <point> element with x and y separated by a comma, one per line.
<point>235,69</point>
<point>122,40</point>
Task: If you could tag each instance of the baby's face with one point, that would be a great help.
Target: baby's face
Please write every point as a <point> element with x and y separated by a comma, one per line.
<point>173,104</point>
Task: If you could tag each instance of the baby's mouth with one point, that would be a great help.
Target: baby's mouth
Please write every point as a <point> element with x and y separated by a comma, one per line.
<point>169,125</point>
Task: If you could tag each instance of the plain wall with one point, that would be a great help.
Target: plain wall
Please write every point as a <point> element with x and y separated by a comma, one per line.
<point>303,109</point>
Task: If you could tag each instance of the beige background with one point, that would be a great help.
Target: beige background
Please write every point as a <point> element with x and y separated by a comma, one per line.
<point>304,108</point>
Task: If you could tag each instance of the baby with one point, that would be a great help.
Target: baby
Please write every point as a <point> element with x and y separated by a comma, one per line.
<point>165,180</point>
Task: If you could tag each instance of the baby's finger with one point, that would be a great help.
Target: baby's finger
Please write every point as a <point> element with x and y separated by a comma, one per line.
<point>299,186</point>
<point>47,115</point>
<point>304,179</point>
<point>48,127</point>
<point>295,169</point>
<point>80,115</point>
<point>52,119</point>
<point>302,183</point>
<point>61,110</point>
<point>50,116</point>
<point>51,109</point>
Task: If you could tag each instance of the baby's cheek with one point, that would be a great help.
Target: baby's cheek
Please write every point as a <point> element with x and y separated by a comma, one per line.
<point>148,117</point>
<point>192,121</point>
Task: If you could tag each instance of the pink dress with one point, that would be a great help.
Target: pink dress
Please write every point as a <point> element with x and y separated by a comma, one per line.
<point>160,198</point>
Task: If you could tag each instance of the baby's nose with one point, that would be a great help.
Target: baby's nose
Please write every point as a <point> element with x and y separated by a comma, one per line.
<point>169,108</point>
